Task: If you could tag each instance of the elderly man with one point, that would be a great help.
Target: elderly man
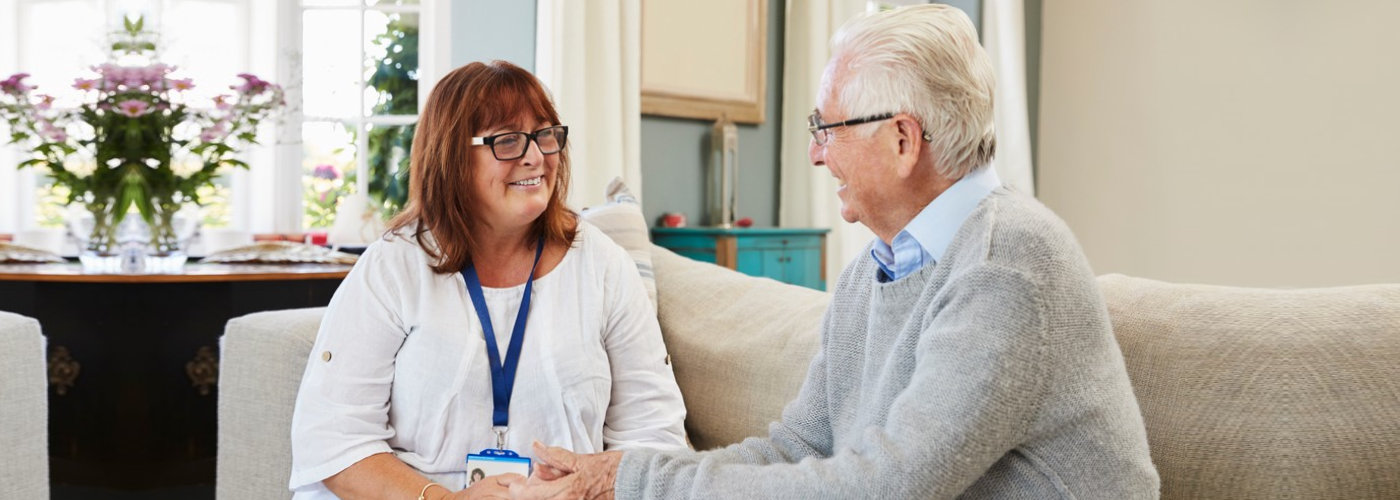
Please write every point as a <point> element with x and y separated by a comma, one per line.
<point>969,355</point>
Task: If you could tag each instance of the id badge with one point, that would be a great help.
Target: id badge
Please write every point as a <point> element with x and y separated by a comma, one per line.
<point>492,462</point>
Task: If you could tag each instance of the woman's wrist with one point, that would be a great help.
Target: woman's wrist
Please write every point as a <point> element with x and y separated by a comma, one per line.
<point>433,491</point>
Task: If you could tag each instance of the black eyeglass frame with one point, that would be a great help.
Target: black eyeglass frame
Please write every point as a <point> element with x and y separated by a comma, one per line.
<point>490,140</point>
<point>815,125</point>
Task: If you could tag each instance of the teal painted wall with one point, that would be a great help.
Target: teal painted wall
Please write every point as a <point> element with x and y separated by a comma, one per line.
<point>674,152</point>
<point>485,30</point>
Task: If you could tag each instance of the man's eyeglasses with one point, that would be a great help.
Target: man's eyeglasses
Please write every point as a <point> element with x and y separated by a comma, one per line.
<point>512,145</point>
<point>821,132</point>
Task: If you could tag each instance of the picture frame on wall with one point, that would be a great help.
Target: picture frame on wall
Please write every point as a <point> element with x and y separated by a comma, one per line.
<point>705,60</point>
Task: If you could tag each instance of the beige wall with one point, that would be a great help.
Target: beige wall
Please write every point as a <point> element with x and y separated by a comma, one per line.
<point>1252,143</point>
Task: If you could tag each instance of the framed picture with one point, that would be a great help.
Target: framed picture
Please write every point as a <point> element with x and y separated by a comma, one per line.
<point>704,60</point>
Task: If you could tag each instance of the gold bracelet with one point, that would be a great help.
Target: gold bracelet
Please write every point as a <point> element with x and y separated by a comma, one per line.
<point>422,494</point>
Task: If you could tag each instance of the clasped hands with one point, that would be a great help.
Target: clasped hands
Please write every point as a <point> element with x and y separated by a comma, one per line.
<point>563,475</point>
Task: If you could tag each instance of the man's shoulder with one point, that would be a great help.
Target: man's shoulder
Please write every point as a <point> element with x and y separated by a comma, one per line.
<point>1012,229</point>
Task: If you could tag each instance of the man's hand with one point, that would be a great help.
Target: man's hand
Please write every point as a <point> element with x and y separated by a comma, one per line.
<point>564,475</point>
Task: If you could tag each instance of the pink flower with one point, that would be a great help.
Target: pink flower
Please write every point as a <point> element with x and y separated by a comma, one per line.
<point>50,132</point>
<point>327,172</point>
<point>15,84</point>
<point>213,133</point>
<point>221,102</point>
<point>133,107</point>
<point>182,84</point>
<point>251,84</point>
<point>45,102</point>
<point>83,84</point>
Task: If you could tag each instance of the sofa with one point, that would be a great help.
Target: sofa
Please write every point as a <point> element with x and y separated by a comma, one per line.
<point>1246,393</point>
<point>24,410</point>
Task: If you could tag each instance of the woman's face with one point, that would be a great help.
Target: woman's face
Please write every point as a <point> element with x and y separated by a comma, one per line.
<point>513,193</point>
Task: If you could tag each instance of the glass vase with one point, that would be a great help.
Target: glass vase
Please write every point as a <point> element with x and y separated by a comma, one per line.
<point>96,231</point>
<point>168,236</point>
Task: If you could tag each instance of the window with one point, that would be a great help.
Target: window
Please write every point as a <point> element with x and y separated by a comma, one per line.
<point>57,41</point>
<point>360,92</point>
<point>355,72</point>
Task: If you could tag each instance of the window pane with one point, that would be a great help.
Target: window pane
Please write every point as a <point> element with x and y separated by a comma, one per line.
<point>188,39</point>
<point>217,211</point>
<point>330,3</point>
<point>61,40</point>
<point>391,66</point>
<point>328,169</point>
<point>389,148</point>
<point>51,197</point>
<point>331,66</point>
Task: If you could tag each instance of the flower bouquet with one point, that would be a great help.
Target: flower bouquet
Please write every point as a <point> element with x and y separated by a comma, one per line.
<point>134,144</point>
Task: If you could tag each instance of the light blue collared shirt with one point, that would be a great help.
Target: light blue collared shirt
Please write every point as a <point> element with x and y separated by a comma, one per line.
<point>928,235</point>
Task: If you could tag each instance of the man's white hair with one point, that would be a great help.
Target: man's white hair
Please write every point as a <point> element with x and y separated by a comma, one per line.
<point>923,60</point>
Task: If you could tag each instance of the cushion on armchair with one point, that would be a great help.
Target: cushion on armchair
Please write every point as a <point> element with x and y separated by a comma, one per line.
<point>262,358</point>
<point>1255,393</point>
<point>24,410</point>
<point>740,346</point>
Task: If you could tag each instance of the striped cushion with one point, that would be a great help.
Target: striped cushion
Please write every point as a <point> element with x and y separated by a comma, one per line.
<point>622,220</point>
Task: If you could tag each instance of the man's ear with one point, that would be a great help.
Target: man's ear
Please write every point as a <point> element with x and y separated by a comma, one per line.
<point>911,143</point>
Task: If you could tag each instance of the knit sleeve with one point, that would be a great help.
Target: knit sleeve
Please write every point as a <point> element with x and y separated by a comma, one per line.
<point>978,380</point>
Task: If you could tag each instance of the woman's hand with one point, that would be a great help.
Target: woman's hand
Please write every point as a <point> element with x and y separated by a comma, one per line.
<point>489,487</point>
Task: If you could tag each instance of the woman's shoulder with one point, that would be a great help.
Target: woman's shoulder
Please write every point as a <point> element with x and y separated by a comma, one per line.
<point>592,242</point>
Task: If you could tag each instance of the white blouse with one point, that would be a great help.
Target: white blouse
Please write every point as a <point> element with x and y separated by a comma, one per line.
<point>399,365</point>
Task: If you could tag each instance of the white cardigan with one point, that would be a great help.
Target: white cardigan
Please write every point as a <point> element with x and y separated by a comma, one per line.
<point>400,366</point>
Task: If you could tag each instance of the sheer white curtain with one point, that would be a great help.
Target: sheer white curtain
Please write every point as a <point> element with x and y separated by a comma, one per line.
<point>808,197</point>
<point>1003,34</point>
<point>587,53</point>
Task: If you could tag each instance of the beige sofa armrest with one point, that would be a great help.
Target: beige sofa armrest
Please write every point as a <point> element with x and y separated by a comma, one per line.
<point>1263,393</point>
<point>262,359</point>
<point>24,410</point>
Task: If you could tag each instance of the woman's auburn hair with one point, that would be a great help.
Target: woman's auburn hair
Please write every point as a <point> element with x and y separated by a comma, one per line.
<point>441,202</point>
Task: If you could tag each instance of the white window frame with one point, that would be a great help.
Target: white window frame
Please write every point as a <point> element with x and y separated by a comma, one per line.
<point>434,53</point>
<point>11,206</point>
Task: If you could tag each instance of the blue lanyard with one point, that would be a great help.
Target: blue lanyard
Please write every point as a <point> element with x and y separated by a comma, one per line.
<point>502,376</point>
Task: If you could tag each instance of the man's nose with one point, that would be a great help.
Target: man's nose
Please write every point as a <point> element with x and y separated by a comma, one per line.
<point>816,153</point>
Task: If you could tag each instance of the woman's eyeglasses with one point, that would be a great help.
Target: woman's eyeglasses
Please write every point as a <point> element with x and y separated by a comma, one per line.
<point>512,145</point>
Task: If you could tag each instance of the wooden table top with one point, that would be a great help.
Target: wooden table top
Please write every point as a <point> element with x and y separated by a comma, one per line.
<point>191,273</point>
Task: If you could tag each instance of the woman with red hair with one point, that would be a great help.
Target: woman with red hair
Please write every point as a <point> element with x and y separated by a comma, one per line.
<point>489,316</point>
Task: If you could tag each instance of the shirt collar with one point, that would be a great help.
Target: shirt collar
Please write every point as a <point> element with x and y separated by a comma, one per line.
<point>927,236</point>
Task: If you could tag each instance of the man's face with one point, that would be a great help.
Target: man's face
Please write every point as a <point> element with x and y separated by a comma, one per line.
<point>860,164</point>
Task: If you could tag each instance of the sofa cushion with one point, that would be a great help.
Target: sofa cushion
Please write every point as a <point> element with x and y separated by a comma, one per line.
<point>740,346</point>
<point>1255,393</point>
<point>24,409</point>
<point>622,220</point>
<point>262,358</point>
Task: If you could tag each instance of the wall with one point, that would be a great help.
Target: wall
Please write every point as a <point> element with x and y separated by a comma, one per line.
<point>1033,9</point>
<point>1244,143</point>
<point>485,30</point>
<point>674,152</point>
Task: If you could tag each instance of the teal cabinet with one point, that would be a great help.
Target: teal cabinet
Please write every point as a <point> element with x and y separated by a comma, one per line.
<point>789,255</point>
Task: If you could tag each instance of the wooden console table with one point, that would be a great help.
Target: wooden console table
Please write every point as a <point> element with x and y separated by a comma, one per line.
<point>133,361</point>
